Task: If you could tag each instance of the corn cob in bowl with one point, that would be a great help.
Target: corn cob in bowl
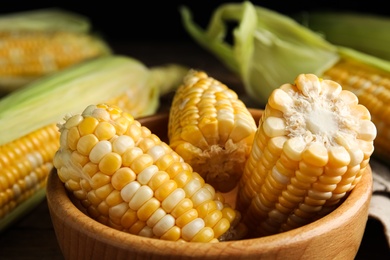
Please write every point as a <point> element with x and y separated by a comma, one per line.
<point>27,149</point>
<point>212,129</point>
<point>313,145</point>
<point>336,235</point>
<point>128,179</point>
<point>40,42</point>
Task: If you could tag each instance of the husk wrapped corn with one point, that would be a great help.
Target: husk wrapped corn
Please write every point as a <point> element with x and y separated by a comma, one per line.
<point>39,42</point>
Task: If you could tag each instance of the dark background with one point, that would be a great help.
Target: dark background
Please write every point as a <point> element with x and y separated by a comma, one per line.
<point>160,20</point>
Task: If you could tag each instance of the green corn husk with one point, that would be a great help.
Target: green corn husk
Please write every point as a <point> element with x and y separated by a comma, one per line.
<point>48,99</point>
<point>364,32</point>
<point>45,20</point>
<point>168,77</point>
<point>268,48</point>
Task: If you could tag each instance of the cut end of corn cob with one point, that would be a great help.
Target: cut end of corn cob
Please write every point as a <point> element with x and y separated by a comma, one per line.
<point>313,144</point>
<point>128,179</point>
<point>211,128</point>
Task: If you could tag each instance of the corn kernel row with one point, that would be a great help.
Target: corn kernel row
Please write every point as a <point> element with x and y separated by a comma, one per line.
<point>127,178</point>
<point>312,146</point>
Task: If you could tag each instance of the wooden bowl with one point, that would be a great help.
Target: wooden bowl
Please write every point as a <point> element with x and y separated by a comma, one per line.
<point>335,236</point>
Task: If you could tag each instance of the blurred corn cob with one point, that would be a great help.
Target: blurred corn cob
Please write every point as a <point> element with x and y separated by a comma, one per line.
<point>270,49</point>
<point>28,117</point>
<point>211,128</point>
<point>128,179</point>
<point>312,146</point>
<point>36,43</point>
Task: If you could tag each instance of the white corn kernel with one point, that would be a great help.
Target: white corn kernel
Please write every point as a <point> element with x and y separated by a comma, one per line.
<point>129,190</point>
<point>99,150</point>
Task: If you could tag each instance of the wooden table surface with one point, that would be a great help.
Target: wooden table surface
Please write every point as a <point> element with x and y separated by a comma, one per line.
<point>33,237</point>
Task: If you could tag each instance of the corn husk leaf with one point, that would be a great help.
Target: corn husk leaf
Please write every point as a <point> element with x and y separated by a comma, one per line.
<point>364,32</point>
<point>268,49</point>
<point>44,20</point>
<point>48,99</point>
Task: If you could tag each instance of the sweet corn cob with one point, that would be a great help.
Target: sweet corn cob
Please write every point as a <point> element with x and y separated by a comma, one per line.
<point>27,147</point>
<point>24,166</point>
<point>36,43</point>
<point>211,128</point>
<point>128,179</point>
<point>312,146</point>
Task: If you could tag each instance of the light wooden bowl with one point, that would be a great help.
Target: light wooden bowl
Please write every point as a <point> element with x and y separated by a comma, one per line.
<point>335,236</point>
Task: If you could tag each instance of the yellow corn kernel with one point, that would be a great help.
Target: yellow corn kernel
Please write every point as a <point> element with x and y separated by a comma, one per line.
<point>25,164</point>
<point>211,128</point>
<point>173,234</point>
<point>132,190</point>
<point>307,158</point>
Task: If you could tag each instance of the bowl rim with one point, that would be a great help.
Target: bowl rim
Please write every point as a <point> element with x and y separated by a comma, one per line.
<point>57,195</point>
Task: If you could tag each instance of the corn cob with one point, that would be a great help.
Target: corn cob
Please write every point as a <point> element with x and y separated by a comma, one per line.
<point>27,147</point>
<point>40,42</point>
<point>270,49</point>
<point>128,179</point>
<point>312,146</point>
<point>211,128</point>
